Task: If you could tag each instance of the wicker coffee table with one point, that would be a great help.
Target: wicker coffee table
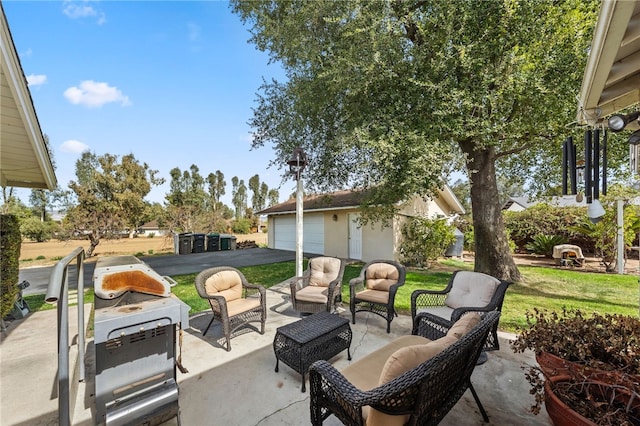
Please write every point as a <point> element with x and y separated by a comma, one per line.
<point>318,336</point>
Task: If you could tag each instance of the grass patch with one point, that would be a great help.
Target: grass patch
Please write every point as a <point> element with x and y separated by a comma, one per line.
<point>544,288</point>
<point>37,302</point>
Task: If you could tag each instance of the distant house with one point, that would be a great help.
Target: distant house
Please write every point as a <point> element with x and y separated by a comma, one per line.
<point>150,228</point>
<point>331,224</point>
<point>518,204</point>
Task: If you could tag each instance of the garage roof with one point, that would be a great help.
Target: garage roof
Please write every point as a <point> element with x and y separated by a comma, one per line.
<point>347,199</point>
<point>24,159</point>
<point>611,80</point>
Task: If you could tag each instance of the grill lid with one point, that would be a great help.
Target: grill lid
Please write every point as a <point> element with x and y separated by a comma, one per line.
<point>113,276</point>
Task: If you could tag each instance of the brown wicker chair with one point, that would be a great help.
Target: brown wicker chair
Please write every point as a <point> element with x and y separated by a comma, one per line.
<point>466,292</point>
<point>320,287</point>
<point>234,302</point>
<point>374,290</point>
<point>423,394</point>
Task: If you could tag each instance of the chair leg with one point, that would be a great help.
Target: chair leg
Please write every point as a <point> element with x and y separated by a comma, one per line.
<point>480,407</point>
<point>207,329</point>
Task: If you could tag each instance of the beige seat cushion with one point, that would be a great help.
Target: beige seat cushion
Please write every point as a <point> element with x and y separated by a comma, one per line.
<point>398,363</point>
<point>381,276</point>
<point>471,289</point>
<point>364,373</point>
<point>375,296</point>
<point>239,306</point>
<point>224,283</point>
<point>323,270</point>
<point>441,311</point>
<point>313,294</point>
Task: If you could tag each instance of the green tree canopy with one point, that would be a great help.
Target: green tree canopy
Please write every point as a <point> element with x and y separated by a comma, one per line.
<point>394,95</point>
<point>109,196</point>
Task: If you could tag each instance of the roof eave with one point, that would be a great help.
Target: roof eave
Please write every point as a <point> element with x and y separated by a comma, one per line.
<point>596,100</point>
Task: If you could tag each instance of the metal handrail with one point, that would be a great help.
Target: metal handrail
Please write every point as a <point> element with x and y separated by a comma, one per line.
<point>58,291</point>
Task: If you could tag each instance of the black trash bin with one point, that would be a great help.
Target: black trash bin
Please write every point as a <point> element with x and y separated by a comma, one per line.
<point>185,243</point>
<point>213,242</point>
<point>225,242</point>
<point>198,243</point>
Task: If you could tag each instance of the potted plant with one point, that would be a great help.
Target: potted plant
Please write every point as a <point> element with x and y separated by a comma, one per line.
<point>593,354</point>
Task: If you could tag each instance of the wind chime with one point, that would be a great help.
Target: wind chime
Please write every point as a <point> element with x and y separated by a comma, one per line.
<point>592,171</point>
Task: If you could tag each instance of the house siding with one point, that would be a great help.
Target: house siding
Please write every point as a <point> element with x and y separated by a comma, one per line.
<point>378,242</point>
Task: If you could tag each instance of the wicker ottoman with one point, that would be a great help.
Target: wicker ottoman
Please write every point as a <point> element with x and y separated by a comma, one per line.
<point>318,336</point>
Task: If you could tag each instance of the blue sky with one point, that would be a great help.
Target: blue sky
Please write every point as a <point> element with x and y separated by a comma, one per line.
<point>173,83</point>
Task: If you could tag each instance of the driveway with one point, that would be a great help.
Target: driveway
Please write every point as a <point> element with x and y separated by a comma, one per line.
<point>171,264</point>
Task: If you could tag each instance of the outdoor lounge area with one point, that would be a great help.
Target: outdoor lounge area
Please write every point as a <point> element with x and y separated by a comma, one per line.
<point>240,387</point>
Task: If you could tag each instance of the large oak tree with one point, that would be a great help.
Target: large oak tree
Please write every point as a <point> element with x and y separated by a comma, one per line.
<point>394,95</point>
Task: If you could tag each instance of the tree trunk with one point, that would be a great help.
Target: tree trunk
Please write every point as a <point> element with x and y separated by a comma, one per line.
<point>93,243</point>
<point>492,253</point>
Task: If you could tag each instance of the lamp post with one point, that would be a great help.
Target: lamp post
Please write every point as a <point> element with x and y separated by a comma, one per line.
<point>296,164</point>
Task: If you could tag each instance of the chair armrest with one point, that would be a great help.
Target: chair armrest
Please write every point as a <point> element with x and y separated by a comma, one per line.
<point>424,298</point>
<point>296,283</point>
<point>430,326</point>
<point>251,289</point>
<point>459,312</point>
<point>218,300</point>
<point>356,284</point>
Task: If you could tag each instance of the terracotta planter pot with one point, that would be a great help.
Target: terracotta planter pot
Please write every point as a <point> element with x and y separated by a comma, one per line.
<point>553,365</point>
<point>562,415</point>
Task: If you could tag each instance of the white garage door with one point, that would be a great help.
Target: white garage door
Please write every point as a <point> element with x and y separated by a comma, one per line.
<point>312,237</point>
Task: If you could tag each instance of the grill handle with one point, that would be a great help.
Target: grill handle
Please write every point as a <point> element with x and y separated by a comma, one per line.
<point>172,282</point>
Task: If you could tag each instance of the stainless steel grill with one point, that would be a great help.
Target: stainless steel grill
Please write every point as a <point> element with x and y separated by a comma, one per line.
<point>135,329</point>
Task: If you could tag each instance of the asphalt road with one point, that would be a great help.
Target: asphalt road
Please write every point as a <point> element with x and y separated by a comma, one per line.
<point>38,277</point>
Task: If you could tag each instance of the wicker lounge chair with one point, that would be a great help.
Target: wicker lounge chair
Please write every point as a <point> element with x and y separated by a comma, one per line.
<point>466,292</point>
<point>234,302</point>
<point>415,395</point>
<point>320,287</point>
<point>374,290</point>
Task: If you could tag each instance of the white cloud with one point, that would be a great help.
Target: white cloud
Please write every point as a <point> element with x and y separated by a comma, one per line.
<point>36,80</point>
<point>95,94</point>
<point>73,146</point>
<point>82,9</point>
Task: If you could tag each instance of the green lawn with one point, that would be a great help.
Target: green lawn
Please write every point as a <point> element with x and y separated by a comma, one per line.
<point>544,288</point>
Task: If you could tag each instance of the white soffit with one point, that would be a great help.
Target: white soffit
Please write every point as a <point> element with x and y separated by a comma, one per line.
<point>611,80</point>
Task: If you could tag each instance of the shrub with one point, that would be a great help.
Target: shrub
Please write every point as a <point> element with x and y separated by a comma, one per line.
<point>151,235</point>
<point>37,230</point>
<point>241,226</point>
<point>543,244</point>
<point>10,240</point>
<point>545,219</point>
<point>424,240</point>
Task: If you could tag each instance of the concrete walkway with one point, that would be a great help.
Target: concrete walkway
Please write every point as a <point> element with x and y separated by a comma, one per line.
<point>239,387</point>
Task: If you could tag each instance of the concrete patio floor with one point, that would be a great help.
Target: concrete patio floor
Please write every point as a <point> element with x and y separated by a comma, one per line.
<point>239,387</point>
